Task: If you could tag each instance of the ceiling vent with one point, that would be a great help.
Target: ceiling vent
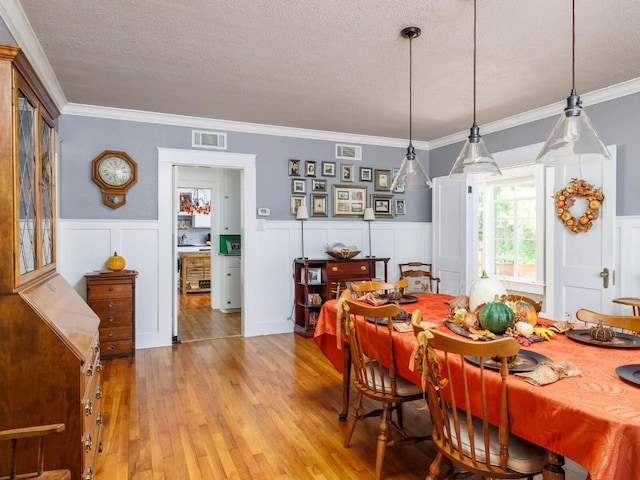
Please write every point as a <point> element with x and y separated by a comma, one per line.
<point>348,152</point>
<point>203,139</point>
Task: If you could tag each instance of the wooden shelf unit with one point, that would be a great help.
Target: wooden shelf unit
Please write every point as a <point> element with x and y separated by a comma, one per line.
<point>334,276</point>
<point>195,272</point>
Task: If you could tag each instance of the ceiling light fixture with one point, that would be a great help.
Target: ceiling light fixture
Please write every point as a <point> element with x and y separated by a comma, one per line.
<point>573,136</point>
<point>474,159</point>
<point>411,175</point>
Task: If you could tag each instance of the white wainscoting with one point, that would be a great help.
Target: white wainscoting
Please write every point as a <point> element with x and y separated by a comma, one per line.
<point>84,246</point>
<point>627,277</point>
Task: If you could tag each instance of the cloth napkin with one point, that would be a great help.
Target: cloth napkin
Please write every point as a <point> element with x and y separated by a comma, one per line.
<point>549,372</point>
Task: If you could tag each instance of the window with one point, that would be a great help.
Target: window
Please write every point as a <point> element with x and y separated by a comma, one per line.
<point>511,219</point>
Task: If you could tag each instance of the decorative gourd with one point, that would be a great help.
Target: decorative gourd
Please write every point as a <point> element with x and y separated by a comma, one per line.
<point>524,312</point>
<point>483,290</point>
<point>602,333</point>
<point>116,262</point>
<point>496,316</point>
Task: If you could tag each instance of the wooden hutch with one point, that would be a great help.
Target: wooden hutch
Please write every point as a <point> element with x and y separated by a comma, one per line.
<point>49,349</point>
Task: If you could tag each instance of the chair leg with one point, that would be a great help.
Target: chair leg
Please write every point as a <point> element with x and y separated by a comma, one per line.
<point>382,438</point>
<point>353,418</point>
<point>441,467</point>
<point>399,415</point>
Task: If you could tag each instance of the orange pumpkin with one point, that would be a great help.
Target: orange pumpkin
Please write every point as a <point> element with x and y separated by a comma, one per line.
<point>524,312</point>
<point>116,262</point>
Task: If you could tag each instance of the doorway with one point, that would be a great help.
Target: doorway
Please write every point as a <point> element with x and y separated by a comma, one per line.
<point>168,160</point>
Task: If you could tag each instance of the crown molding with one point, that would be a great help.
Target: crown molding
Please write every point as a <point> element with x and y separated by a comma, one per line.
<point>597,96</point>
<point>16,21</point>
<point>231,126</point>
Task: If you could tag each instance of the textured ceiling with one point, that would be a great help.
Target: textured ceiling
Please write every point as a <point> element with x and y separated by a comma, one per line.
<point>334,65</point>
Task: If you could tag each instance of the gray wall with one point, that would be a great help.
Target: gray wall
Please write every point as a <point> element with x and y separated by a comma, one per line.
<point>5,35</point>
<point>83,138</point>
<point>616,122</point>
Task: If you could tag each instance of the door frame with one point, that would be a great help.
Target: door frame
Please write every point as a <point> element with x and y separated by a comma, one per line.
<point>167,159</point>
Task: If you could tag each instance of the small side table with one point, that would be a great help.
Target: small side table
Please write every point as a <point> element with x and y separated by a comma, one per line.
<point>633,302</point>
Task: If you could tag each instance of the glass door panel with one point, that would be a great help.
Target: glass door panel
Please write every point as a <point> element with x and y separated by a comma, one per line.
<point>26,185</point>
<point>46,185</point>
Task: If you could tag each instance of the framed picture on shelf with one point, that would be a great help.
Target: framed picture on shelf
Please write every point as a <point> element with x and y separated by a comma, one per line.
<point>349,201</point>
<point>296,201</point>
<point>366,174</point>
<point>328,169</point>
<point>400,206</point>
<point>346,172</point>
<point>319,204</point>
<point>318,185</point>
<point>310,167</point>
<point>294,167</point>
<point>315,275</point>
<point>185,201</point>
<point>382,180</point>
<point>381,205</point>
<point>298,186</point>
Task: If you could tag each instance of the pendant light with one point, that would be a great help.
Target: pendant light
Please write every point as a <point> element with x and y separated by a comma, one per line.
<point>411,175</point>
<point>474,159</point>
<point>573,136</point>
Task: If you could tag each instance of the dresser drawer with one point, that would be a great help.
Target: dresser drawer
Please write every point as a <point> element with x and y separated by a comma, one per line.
<point>108,334</point>
<point>117,348</point>
<point>113,290</point>
<point>115,319</point>
<point>107,306</point>
<point>351,270</point>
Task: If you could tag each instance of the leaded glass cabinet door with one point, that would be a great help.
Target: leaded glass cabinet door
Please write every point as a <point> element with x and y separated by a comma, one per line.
<point>47,205</point>
<point>27,187</point>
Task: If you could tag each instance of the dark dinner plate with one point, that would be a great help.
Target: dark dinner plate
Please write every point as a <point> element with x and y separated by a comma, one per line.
<point>621,340</point>
<point>630,373</point>
<point>525,361</point>
<point>404,299</point>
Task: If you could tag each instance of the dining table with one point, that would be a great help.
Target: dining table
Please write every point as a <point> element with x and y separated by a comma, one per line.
<point>593,418</point>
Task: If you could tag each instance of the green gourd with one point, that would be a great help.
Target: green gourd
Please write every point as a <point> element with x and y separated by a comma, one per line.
<point>496,316</point>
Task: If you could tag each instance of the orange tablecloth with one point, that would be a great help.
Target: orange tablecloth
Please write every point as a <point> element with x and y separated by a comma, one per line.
<point>593,419</point>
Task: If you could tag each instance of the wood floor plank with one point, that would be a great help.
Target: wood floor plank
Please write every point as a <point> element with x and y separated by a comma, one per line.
<point>241,408</point>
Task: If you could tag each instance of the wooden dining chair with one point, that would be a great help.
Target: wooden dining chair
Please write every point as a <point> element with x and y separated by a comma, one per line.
<point>370,331</point>
<point>624,322</point>
<point>517,297</point>
<point>461,395</point>
<point>420,277</point>
<point>38,432</point>
<point>358,289</point>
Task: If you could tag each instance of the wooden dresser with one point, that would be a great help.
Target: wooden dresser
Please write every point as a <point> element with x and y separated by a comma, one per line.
<point>113,297</point>
<point>316,281</point>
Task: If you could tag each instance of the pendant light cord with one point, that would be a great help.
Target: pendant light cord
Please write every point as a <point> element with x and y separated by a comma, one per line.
<point>474,60</point>
<point>573,46</point>
<point>410,92</point>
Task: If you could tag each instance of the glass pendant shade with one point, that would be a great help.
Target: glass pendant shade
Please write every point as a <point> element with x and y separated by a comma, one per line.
<point>475,159</point>
<point>573,138</point>
<point>412,175</point>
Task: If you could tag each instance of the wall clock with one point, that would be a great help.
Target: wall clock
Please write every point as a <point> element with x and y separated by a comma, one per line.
<point>115,173</point>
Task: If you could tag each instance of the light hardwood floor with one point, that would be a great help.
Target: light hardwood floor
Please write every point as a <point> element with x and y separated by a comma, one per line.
<point>197,321</point>
<point>242,408</point>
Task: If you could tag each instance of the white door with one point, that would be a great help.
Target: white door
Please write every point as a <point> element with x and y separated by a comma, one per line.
<point>578,261</point>
<point>452,234</point>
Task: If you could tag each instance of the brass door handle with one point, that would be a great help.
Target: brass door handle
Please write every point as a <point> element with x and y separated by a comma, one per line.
<point>605,277</point>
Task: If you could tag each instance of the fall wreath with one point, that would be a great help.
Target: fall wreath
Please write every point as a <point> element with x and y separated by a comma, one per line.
<point>565,199</point>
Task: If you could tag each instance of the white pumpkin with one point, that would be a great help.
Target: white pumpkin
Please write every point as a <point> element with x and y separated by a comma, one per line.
<point>483,290</point>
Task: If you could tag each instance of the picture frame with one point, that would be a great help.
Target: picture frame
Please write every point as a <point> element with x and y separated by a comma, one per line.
<point>381,205</point>
<point>296,201</point>
<point>310,168</point>
<point>314,276</point>
<point>394,173</point>
<point>383,180</point>
<point>294,167</point>
<point>319,205</point>
<point>185,200</point>
<point>400,206</point>
<point>346,172</point>
<point>366,174</point>
<point>328,169</point>
<point>349,201</point>
<point>298,186</point>
<point>318,185</point>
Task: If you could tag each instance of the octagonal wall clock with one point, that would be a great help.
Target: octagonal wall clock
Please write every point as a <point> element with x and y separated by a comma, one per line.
<point>115,173</point>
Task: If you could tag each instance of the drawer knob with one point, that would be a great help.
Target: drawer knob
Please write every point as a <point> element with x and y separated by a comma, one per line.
<point>334,269</point>
<point>90,371</point>
<point>110,305</point>
<point>88,407</point>
<point>363,268</point>
<point>88,445</point>
<point>110,334</point>
<point>111,348</point>
<point>89,475</point>
<point>110,289</point>
<point>99,392</point>
<point>111,319</point>
<point>99,366</point>
<point>99,419</point>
